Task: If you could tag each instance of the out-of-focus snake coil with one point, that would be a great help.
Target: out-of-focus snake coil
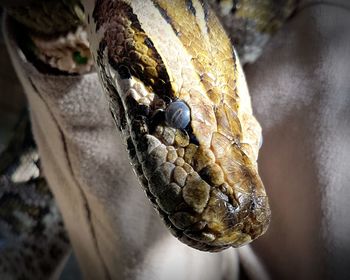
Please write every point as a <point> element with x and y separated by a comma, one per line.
<point>33,241</point>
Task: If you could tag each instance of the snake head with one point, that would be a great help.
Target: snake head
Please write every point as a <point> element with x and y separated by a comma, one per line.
<point>180,98</point>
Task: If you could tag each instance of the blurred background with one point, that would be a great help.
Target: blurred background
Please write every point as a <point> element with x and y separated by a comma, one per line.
<point>12,99</point>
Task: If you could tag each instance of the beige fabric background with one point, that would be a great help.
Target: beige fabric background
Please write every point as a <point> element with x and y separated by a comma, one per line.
<point>300,90</point>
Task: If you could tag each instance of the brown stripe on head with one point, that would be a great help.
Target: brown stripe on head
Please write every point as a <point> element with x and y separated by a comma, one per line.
<point>205,9</point>
<point>130,51</point>
<point>212,58</point>
<point>210,47</point>
<point>190,7</point>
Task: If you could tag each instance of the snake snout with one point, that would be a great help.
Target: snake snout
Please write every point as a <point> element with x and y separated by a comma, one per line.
<point>208,206</point>
<point>227,220</point>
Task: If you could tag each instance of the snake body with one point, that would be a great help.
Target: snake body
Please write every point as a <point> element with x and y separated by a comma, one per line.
<point>178,95</point>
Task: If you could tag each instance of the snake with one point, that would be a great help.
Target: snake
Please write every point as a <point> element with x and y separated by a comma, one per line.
<point>172,73</point>
<point>179,97</point>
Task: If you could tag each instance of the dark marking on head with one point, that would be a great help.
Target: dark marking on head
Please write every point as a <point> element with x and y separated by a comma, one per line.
<point>130,51</point>
<point>123,71</point>
<point>190,8</point>
<point>157,118</point>
<point>206,9</point>
<point>165,15</point>
<point>138,110</point>
<point>149,43</point>
<point>193,138</point>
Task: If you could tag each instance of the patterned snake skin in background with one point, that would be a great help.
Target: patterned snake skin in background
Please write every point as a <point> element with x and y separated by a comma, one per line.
<point>31,227</point>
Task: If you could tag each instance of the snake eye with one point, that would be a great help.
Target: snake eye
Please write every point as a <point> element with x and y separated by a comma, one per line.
<point>177,114</point>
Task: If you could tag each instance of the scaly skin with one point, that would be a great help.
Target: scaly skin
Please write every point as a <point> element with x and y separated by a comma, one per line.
<point>203,179</point>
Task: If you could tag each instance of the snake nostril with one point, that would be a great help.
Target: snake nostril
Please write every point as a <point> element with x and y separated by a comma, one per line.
<point>178,115</point>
